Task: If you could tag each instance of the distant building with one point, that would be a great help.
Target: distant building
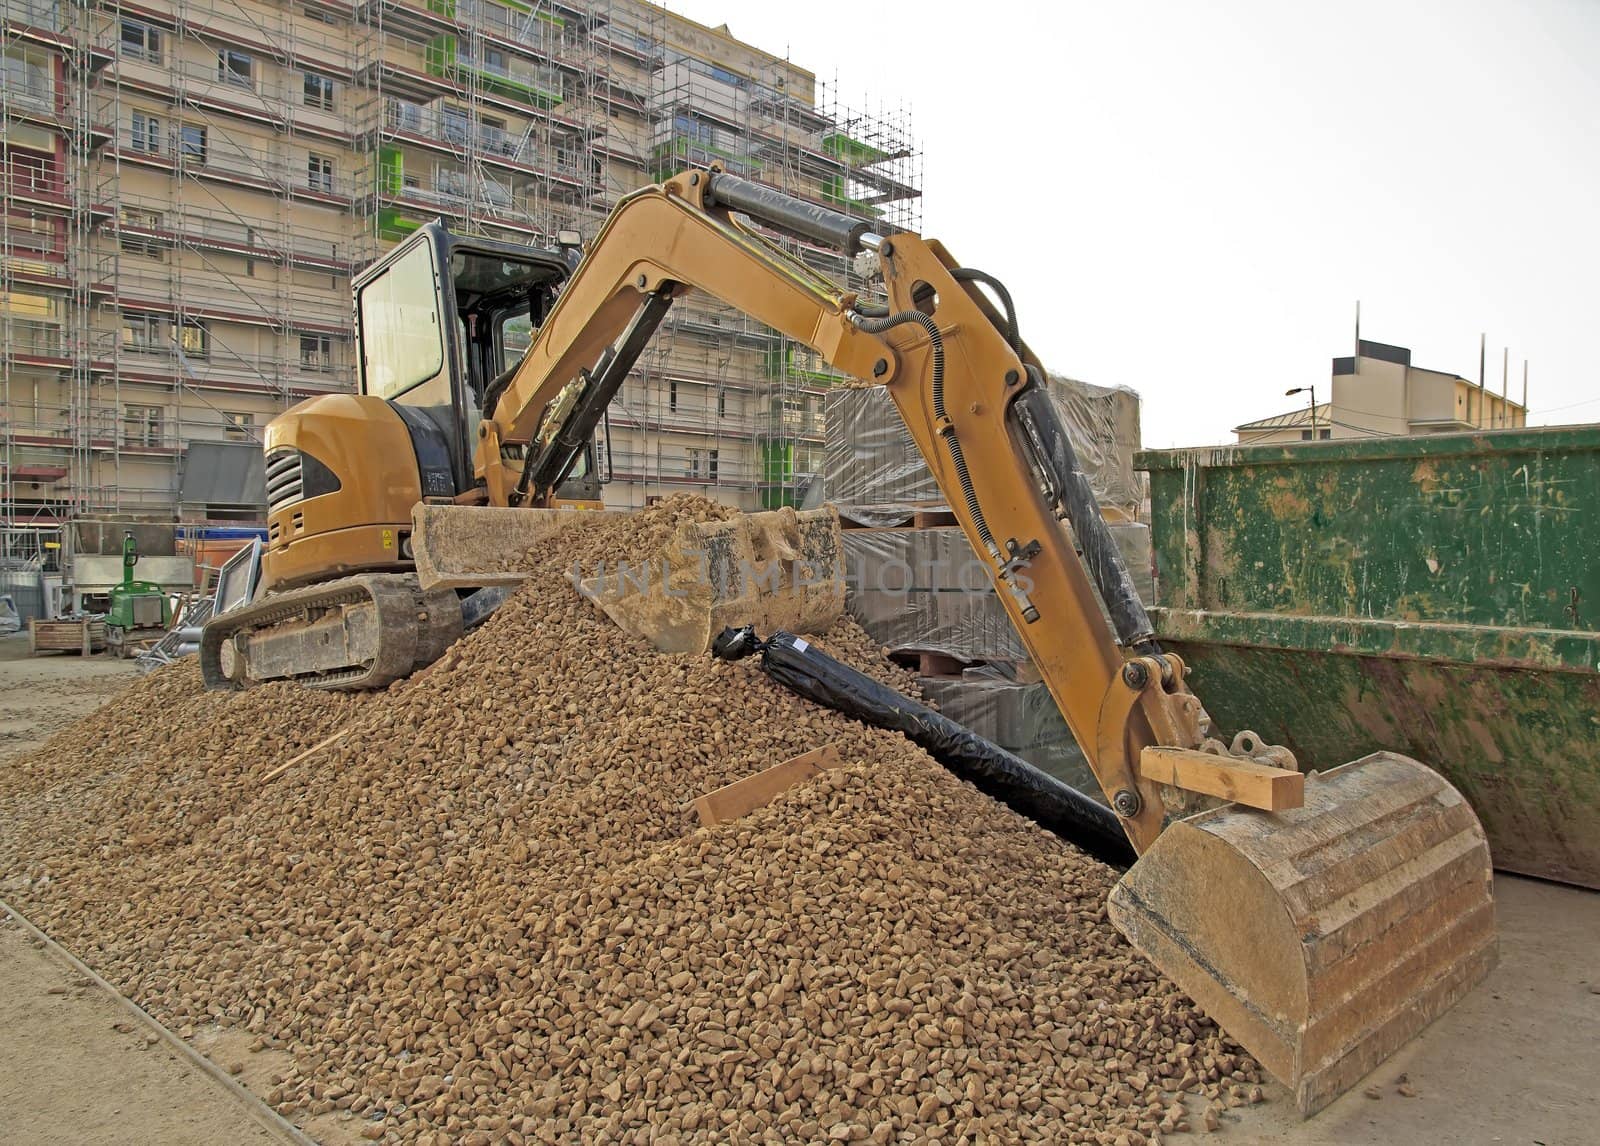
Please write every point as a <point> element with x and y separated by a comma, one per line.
<point>1379,393</point>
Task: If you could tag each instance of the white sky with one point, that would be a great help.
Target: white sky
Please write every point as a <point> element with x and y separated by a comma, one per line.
<point>1188,197</point>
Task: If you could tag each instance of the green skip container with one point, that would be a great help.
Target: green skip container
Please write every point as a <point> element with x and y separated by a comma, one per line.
<point>1437,596</point>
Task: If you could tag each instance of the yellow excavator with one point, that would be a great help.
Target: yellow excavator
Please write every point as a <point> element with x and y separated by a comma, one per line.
<point>1321,919</point>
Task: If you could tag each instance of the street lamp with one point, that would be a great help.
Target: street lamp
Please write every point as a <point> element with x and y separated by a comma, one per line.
<point>1312,390</point>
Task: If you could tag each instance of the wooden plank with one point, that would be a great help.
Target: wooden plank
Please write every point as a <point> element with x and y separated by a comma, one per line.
<point>315,748</point>
<point>1242,781</point>
<point>741,797</point>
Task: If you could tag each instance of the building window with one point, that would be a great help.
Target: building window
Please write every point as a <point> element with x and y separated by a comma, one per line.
<point>319,173</point>
<point>195,338</point>
<point>1305,435</point>
<point>450,181</point>
<point>136,244</point>
<point>142,333</point>
<point>494,60</point>
<point>141,42</point>
<point>703,464</point>
<point>31,236</point>
<point>320,16</point>
<point>236,68</point>
<point>146,135</point>
<point>319,92</point>
<point>492,134</point>
<point>316,353</point>
<point>26,75</point>
<point>672,395</point>
<point>192,142</point>
<point>238,425</point>
<point>1324,434</point>
<point>453,124</point>
<point>722,403</point>
<point>141,425</point>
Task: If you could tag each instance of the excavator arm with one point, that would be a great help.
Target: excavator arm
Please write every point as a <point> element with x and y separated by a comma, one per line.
<point>966,387</point>
<point>1320,920</point>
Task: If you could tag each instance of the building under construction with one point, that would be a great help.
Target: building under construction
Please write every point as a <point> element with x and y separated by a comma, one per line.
<point>188,186</point>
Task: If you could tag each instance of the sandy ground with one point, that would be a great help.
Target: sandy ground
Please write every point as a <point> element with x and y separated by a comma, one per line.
<point>40,694</point>
<point>74,1068</point>
<point>1516,1062</point>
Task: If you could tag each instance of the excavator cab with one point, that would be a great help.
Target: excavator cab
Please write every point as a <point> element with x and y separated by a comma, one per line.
<point>442,322</point>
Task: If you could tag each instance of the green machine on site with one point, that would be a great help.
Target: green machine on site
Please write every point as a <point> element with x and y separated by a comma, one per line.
<point>137,609</point>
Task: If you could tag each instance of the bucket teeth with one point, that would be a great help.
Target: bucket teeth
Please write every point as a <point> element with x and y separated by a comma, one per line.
<point>1324,938</point>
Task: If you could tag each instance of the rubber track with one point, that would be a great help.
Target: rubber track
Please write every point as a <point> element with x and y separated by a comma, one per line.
<point>400,603</point>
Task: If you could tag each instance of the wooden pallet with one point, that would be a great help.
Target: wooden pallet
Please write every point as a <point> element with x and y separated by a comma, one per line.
<point>928,516</point>
<point>943,665</point>
<point>80,636</point>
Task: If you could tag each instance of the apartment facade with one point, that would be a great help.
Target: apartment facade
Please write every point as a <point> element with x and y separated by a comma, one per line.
<point>189,185</point>
<point>1379,393</point>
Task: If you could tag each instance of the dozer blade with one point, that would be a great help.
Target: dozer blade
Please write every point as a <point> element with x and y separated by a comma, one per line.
<point>777,569</point>
<point>1324,938</point>
<point>475,546</point>
<point>354,633</point>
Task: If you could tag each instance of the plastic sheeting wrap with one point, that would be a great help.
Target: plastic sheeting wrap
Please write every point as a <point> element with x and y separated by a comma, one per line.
<point>925,591</point>
<point>1021,717</point>
<point>808,671</point>
<point>873,471</point>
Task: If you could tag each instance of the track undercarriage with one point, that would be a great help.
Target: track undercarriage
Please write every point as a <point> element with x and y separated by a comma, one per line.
<point>359,632</point>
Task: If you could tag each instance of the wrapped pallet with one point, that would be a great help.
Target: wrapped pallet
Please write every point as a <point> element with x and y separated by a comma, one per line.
<point>925,591</point>
<point>1019,716</point>
<point>874,473</point>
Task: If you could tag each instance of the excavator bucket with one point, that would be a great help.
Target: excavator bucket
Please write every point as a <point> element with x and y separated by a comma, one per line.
<point>778,569</point>
<point>1321,939</point>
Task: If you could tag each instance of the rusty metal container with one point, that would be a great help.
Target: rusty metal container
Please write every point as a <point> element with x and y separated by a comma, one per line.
<point>1437,596</point>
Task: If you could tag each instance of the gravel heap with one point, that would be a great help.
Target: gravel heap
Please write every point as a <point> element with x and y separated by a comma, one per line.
<point>488,913</point>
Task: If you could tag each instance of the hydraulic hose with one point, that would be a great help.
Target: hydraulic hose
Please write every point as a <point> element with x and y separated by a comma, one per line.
<point>970,275</point>
<point>875,325</point>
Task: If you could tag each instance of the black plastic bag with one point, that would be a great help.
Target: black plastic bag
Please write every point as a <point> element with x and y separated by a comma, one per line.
<point>805,669</point>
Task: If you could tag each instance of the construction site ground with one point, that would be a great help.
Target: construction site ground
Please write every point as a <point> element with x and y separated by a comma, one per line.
<point>1513,1063</point>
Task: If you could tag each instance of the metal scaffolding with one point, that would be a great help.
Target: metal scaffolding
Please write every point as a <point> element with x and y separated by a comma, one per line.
<point>189,187</point>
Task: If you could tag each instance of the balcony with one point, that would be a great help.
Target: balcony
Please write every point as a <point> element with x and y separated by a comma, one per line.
<point>214,154</point>
<point>27,90</point>
<point>454,131</point>
<point>525,29</point>
<point>51,15</point>
<point>33,339</point>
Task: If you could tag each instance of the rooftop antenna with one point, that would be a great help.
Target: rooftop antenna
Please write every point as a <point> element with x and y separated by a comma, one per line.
<point>1505,389</point>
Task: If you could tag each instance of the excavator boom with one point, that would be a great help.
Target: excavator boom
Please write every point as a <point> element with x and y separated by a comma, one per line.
<point>1322,920</point>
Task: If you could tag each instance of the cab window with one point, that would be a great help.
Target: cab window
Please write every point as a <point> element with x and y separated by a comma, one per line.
<point>402,341</point>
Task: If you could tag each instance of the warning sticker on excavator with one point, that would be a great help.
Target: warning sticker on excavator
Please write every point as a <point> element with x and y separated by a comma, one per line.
<point>388,539</point>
